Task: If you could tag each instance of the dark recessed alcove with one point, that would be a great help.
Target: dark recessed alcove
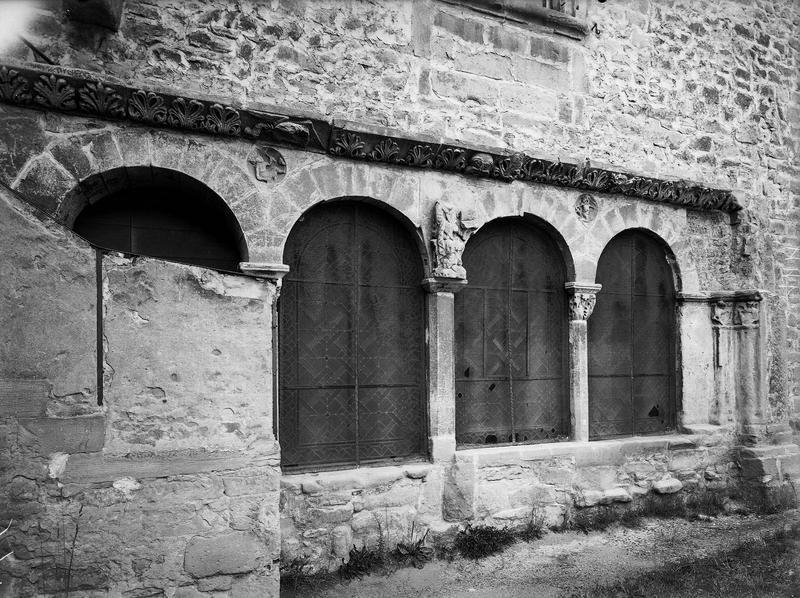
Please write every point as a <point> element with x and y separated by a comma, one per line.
<point>183,221</point>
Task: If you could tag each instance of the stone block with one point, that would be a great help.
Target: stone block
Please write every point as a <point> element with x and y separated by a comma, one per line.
<point>44,184</point>
<point>667,486</point>
<point>72,158</point>
<point>21,138</point>
<point>260,586</point>
<point>256,483</point>
<point>790,466</point>
<point>468,30</point>
<point>615,495</point>
<point>23,398</point>
<point>72,435</point>
<point>223,555</point>
<point>341,540</point>
<point>459,492</point>
<point>328,515</point>
<point>396,496</point>
<point>588,498</point>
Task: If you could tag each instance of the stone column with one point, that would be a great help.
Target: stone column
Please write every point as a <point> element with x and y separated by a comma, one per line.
<point>581,304</point>
<point>441,368</point>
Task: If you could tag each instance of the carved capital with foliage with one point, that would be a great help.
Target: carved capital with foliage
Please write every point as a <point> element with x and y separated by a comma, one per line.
<point>582,300</point>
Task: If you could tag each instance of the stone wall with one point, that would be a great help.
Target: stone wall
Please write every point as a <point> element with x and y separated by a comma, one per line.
<point>324,514</point>
<point>186,491</point>
<point>172,482</point>
<point>673,88</point>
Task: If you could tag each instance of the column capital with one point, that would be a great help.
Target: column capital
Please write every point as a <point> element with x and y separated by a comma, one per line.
<point>264,270</point>
<point>583,299</point>
<point>441,284</point>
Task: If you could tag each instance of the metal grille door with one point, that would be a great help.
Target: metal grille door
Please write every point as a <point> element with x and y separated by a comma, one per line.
<point>511,338</point>
<point>351,339</point>
<point>631,341</point>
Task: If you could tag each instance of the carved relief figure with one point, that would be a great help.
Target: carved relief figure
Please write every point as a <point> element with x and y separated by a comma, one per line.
<point>268,164</point>
<point>586,207</point>
<point>721,313</point>
<point>450,236</point>
<point>747,314</point>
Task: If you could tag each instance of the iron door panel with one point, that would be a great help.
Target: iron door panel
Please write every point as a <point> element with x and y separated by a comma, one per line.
<point>610,331</point>
<point>483,411</point>
<point>631,341</point>
<point>351,350</point>
<point>510,336</point>
<point>610,406</point>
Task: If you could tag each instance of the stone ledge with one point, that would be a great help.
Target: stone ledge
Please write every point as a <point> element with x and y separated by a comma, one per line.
<point>596,452</point>
<point>93,468</point>
<point>347,479</point>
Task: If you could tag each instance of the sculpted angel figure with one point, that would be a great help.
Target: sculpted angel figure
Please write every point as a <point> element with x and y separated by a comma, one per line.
<point>450,236</point>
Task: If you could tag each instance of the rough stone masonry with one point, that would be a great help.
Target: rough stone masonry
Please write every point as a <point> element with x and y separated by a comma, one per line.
<point>139,397</point>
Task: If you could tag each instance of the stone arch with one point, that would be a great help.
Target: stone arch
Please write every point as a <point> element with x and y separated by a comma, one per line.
<point>414,232</point>
<point>82,168</point>
<point>663,223</point>
<point>189,197</point>
<point>328,180</point>
<point>665,246</point>
<point>550,230</point>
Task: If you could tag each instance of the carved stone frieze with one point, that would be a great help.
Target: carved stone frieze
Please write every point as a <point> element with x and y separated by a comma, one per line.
<point>68,90</point>
<point>450,235</point>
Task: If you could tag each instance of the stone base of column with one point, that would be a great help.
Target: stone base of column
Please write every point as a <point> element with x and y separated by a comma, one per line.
<point>770,465</point>
<point>442,448</point>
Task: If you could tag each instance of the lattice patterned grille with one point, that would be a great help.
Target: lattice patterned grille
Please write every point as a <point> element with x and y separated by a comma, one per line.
<point>631,341</point>
<point>351,332</point>
<point>510,338</point>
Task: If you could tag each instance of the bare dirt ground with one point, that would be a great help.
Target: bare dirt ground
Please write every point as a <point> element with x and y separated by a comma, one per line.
<point>566,564</point>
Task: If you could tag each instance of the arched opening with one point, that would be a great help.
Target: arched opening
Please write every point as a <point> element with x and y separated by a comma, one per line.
<point>632,340</point>
<point>511,337</point>
<point>351,339</point>
<point>167,215</point>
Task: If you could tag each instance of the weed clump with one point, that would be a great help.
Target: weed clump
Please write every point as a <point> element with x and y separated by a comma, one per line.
<point>362,561</point>
<point>479,541</point>
<point>534,529</point>
<point>414,552</point>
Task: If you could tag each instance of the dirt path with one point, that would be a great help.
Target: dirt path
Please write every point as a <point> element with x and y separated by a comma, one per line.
<point>560,564</point>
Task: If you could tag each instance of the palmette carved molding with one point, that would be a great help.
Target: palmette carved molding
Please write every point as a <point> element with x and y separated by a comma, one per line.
<point>74,92</point>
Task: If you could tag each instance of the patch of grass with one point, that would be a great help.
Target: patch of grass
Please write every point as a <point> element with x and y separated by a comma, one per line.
<point>480,541</point>
<point>763,566</point>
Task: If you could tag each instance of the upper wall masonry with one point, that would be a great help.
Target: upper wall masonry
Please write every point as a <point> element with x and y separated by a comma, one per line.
<point>568,20</point>
<point>77,92</point>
